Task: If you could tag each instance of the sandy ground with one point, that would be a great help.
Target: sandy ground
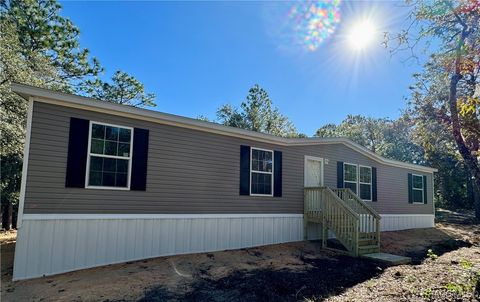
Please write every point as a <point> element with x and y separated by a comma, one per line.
<point>286,272</point>
<point>451,272</point>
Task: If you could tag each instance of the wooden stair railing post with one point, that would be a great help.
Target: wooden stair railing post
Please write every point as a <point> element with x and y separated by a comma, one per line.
<point>305,214</point>
<point>324,221</point>
<point>378,232</point>
<point>357,234</point>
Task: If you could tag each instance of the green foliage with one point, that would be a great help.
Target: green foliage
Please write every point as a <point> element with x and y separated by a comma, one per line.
<point>475,281</point>
<point>427,294</point>
<point>415,137</point>
<point>123,89</point>
<point>440,151</point>
<point>469,284</point>
<point>454,288</point>
<point>366,131</point>
<point>39,47</point>
<point>444,102</point>
<point>25,58</point>
<point>43,35</point>
<point>231,116</point>
<point>257,113</point>
<point>431,254</point>
<point>466,284</point>
<point>203,118</point>
<point>423,134</point>
<point>389,138</point>
<point>445,96</point>
<point>466,264</point>
<point>410,279</point>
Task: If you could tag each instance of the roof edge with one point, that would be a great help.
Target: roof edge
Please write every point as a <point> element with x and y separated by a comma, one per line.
<point>76,101</point>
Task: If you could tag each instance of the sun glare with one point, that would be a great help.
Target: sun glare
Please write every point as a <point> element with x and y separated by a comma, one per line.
<point>361,35</point>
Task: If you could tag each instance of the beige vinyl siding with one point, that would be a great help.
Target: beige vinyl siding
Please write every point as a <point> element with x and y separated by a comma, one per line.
<point>392,182</point>
<point>189,171</point>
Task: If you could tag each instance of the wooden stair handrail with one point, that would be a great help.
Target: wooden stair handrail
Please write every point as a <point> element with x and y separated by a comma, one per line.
<point>361,202</point>
<point>335,196</point>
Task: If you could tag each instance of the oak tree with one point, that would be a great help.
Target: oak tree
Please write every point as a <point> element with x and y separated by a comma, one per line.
<point>448,87</point>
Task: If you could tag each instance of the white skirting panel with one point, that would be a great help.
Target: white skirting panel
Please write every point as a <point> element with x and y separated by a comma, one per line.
<point>395,222</point>
<point>52,244</point>
<point>314,231</point>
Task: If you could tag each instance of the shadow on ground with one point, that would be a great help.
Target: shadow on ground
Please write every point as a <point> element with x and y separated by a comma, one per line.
<point>7,250</point>
<point>416,243</point>
<point>464,217</point>
<point>322,278</point>
<point>316,279</point>
<point>440,248</point>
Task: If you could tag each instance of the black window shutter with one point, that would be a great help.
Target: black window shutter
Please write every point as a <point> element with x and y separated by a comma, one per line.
<point>410,188</point>
<point>374,184</point>
<point>138,176</point>
<point>339,174</point>
<point>244,170</point>
<point>277,174</point>
<point>424,189</point>
<point>77,153</point>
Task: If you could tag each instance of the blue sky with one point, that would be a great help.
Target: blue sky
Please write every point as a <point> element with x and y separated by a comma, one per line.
<point>196,56</point>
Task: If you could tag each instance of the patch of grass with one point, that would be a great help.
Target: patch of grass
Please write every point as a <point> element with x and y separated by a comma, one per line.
<point>455,288</point>
<point>427,294</point>
<point>470,283</point>
<point>410,278</point>
<point>431,254</point>
<point>474,282</point>
<point>370,284</point>
<point>466,264</point>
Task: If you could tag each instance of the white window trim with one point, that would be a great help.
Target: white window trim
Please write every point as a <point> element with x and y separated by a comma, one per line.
<point>422,189</point>
<point>262,172</point>
<point>365,183</point>
<point>358,182</point>
<point>349,181</point>
<point>89,155</point>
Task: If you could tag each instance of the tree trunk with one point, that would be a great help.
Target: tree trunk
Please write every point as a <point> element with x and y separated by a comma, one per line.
<point>14,217</point>
<point>7,216</point>
<point>476,201</point>
<point>470,160</point>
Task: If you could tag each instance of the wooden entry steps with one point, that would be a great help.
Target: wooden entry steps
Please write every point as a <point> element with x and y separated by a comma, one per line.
<point>355,224</point>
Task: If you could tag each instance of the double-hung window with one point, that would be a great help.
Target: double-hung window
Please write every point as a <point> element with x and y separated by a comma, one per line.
<point>358,178</point>
<point>365,183</point>
<point>350,177</point>
<point>417,188</point>
<point>109,156</point>
<point>261,172</point>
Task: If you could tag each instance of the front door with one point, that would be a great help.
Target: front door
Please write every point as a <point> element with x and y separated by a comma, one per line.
<point>313,171</point>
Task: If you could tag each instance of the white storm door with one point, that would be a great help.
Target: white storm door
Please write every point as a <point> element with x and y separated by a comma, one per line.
<point>313,171</point>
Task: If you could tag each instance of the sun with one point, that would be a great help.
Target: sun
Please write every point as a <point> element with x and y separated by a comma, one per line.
<point>362,34</point>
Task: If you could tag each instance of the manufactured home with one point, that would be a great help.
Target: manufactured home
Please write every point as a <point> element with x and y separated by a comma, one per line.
<point>105,183</point>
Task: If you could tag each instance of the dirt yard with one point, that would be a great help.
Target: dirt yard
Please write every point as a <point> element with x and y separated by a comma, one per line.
<point>286,272</point>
